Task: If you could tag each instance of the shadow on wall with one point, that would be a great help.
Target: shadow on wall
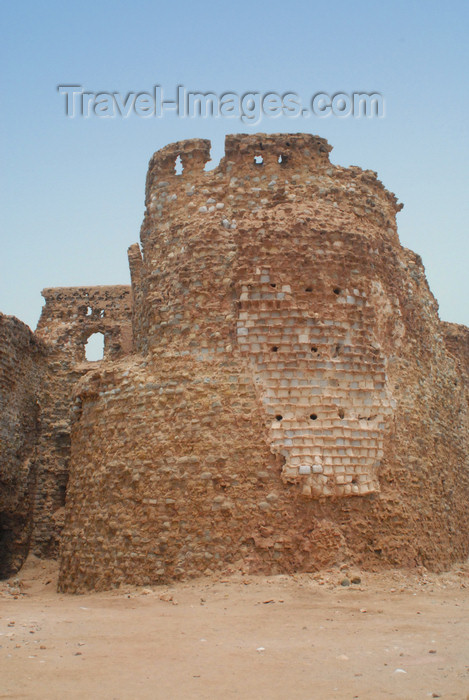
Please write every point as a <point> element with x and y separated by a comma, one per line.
<point>13,544</point>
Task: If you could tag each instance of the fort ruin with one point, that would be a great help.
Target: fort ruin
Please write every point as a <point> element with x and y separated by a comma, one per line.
<point>277,390</point>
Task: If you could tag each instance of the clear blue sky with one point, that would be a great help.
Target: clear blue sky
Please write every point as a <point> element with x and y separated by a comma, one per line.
<point>72,189</point>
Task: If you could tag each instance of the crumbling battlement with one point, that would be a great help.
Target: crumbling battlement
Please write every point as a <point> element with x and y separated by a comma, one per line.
<point>72,314</point>
<point>260,174</point>
<point>290,402</point>
<point>257,167</point>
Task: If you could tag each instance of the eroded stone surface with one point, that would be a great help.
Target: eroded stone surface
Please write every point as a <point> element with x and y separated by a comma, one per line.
<point>22,368</point>
<point>38,372</point>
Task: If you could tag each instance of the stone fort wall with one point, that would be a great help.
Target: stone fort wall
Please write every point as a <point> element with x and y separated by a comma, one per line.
<point>22,368</point>
<point>37,373</point>
<point>277,392</point>
<point>292,400</point>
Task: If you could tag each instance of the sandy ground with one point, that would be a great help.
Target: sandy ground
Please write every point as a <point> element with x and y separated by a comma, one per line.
<point>390,636</point>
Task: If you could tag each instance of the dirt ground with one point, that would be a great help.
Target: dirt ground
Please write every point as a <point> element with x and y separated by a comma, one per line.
<point>391,635</point>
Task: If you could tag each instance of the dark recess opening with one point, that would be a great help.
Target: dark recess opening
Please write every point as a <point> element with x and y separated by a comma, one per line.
<point>279,417</point>
<point>13,546</point>
<point>62,494</point>
<point>4,563</point>
<point>313,416</point>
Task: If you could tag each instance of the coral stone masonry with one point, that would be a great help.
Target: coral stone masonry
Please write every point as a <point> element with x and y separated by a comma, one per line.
<point>277,391</point>
<point>37,375</point>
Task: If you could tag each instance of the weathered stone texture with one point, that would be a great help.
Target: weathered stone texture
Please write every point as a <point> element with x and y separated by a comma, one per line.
<point>291,401</point>
<point>72,314</point>
<point>69,317</point>
<point>457,341</point>
<point>22,366</point>
<point>37,374</point>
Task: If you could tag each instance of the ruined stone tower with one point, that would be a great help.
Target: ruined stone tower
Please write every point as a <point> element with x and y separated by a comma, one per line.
<point>291,399</point>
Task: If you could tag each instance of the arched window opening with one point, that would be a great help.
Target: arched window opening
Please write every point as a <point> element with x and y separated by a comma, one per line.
<point>178,168</point>
<point>94,348</point>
